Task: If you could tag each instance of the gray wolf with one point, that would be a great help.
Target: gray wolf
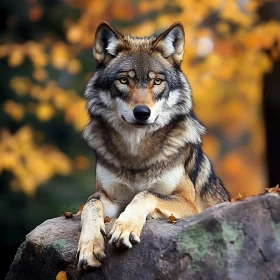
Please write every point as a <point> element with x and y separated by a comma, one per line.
<point>146,139</point>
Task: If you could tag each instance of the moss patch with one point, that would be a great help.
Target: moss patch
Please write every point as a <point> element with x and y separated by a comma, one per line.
<point>276,228</point>
<point>199,244</point>
<point>233,236</point>
<point>59,245</point>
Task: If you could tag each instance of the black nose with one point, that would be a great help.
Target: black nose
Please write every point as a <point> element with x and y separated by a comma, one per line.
<point>141,112</point>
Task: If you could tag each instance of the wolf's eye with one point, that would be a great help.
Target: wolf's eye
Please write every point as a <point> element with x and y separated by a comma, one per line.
<point>157,81</point>
<point>123,80</point>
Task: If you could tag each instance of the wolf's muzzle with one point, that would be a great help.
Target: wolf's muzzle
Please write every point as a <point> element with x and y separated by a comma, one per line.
<point>141,112</point>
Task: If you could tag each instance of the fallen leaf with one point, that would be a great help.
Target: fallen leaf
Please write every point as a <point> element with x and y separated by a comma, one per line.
<point>275,189</point>
<point>68,215</point>
<point>61,275</point>
<point>107,220</point>
<point>172,219</point>
<point>80,209</point>
<point>239,197</point>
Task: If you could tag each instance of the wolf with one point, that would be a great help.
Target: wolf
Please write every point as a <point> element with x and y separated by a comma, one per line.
<point>146,140</point>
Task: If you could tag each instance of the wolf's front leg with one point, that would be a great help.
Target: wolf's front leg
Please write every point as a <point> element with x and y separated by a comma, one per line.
<point>127,228</point>
<point>91,243</point>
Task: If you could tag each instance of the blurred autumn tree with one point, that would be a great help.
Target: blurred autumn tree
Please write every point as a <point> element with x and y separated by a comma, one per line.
<point>46,61</point>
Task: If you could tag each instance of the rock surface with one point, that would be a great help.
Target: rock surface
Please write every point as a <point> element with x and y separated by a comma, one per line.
<point>238,240</point>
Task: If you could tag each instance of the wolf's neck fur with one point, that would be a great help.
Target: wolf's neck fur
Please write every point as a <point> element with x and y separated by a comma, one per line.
<point>133,140</point>
<point>137,148</point>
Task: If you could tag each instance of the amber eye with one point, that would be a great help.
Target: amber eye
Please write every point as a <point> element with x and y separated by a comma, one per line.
<point>123,80</point>
<point>157,81</point>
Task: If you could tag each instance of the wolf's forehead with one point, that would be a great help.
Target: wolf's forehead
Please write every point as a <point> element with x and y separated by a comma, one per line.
<point>139,44</point>
<point>139,64</point>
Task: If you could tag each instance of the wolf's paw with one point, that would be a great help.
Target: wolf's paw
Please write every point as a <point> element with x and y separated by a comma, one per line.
<point>91,250</point>
<point>126,232</point>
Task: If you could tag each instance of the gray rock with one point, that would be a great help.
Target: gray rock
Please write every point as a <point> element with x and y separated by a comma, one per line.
<point>238,240</point>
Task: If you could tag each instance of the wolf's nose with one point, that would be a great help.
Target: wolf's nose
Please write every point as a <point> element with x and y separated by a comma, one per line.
<point>141,112</point>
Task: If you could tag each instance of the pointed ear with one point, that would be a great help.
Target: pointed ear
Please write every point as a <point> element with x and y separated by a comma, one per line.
<point>108,43</point>
<point>171,43</point>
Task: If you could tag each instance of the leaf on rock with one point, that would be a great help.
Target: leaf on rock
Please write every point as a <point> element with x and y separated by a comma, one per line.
<point>68,215</point>
<point>239,197</point>
<point>61,275</point>
<point>275,189</point>
<point>172,218</point>
<point>107,220</point>
<point>80,209</point>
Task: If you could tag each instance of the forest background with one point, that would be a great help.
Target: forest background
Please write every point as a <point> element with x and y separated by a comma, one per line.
<point>231,60</point>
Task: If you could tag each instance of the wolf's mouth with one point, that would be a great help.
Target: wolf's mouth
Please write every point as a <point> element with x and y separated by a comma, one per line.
<point>137,124</point>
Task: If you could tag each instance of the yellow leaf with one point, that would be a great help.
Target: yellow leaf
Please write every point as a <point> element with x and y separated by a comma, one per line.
<point>74,34</point>
<point>223,28</point>
<point>76,114</point>
<point>20,85</point>
<point>16,58</point>
<point>61,275</point>
<point>239,197</point>
<point>74,66</point>
<point>172,219</point>
<point>36,53</point>
<point>44,112</point>
<point>40,74</point>
<point>60,55</point>
<point>15,110</point>
<point>276,189</point>
<point>61,100</point>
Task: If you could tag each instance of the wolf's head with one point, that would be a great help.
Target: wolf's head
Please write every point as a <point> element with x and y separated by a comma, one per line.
<point>138,84</point>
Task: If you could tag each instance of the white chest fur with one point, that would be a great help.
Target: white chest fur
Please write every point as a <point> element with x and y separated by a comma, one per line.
<point>118,185</point>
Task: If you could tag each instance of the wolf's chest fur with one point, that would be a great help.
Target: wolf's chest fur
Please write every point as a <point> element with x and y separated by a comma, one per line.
<point>128,186</point>
<point>156,159</point>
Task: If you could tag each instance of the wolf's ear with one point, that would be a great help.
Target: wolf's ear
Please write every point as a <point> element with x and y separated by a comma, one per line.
<point>108,42</point>
<point>171,43</point>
